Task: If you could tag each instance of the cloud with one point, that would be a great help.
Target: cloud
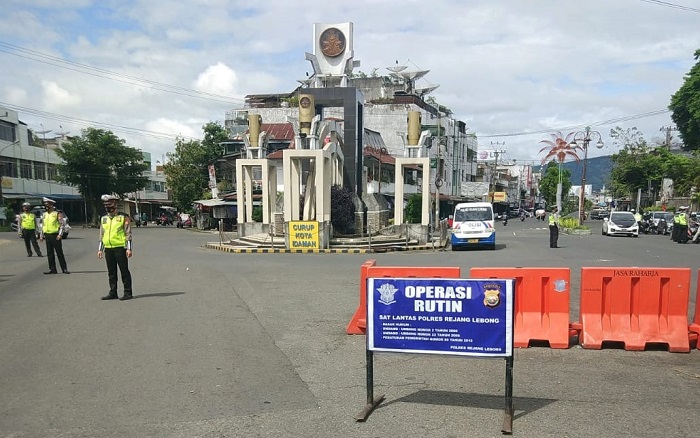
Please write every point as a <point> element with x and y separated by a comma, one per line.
<point>506,68</point>
<point>57,98</point>
<point>217,79</point>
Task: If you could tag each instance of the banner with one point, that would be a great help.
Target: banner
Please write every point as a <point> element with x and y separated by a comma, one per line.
<point>487,155</point>
<point>212,177</point>
<point>440,316</point>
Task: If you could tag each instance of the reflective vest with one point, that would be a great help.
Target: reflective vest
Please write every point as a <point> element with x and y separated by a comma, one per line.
<point>682,219</point>
<point>638,217</point>
<point>51,222</point>
<point>552,219</point>
<point>28,221</point>
<point>113,231</point>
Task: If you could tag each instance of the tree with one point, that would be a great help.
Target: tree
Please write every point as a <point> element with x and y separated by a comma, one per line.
<point>98,162</point>
<point>638,166</point>
<point>186,172</point>
<point>342,210</point>
<point>414,209</point>
<point>685,107</point>
<point>630,140</point>
<point>550,180</point>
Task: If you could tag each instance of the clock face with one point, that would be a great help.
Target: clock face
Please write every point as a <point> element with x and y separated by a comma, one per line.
<point>332,42</point>
<point>305,102</point>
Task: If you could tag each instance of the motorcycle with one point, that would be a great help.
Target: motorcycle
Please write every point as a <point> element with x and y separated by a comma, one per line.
<point>164,220</point>
<point>693,232</point>
<point>662,227</point>
<point>645,226</point>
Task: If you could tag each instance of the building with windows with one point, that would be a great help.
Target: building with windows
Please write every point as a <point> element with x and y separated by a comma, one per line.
<point>28,170</point>
<point>387,102</point>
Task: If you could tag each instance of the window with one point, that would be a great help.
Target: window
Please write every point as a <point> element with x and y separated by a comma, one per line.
<point>9,167</point>
<point>25,169</point>
<point>39,170</point>
<point>7,131</point>
<point>51,172</point>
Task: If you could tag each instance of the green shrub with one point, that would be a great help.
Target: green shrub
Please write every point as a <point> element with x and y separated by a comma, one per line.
<point>413,211</point>
<point>570,222</point>
<point>257,214</point>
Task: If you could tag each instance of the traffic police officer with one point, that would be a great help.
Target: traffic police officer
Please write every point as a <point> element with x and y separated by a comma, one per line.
<point>52,232</point>
<point>554,228</point>
<point>681,223</point>
<point>27,230</point>
<point>115,245</point>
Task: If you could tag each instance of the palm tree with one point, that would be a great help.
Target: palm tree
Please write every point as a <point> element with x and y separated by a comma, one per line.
<point>560,148</point>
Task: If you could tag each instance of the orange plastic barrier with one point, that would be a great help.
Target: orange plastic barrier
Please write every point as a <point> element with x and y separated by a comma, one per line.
<point>694,327</point>
<point>358,323</point>
<point>635,306</point>
<point>542,298</point>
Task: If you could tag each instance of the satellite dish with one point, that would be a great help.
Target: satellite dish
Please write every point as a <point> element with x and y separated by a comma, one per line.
<point>62,133</point>
<point>426,90</point>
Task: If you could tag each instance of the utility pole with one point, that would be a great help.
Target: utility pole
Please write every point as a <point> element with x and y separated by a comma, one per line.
<point>668,130</point>
<point>496,154</point>
<point>438,177</point>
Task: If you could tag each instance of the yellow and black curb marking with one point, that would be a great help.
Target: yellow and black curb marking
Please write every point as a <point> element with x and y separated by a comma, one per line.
<point>226,248</point>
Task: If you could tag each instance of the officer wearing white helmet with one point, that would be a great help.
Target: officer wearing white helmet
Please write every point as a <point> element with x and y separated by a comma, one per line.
<point>52,232</point>
<point>115,246</point>
<point>680,224</point>
<point>27,229</point>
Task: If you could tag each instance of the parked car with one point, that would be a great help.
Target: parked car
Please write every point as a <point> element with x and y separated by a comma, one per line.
<point>666,215</point>
<point>599,213</point>
<point>620,223</point>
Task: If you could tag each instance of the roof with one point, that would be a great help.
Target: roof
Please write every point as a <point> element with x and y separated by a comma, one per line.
<point>214,202</point>
<point>278,131</point>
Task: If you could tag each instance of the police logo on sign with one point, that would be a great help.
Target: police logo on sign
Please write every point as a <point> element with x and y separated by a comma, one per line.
<point>492,295</point>
<point>386,294</point>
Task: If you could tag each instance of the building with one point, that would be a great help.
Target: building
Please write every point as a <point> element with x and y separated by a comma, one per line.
<point>388,100</point>
<point>28,168</point>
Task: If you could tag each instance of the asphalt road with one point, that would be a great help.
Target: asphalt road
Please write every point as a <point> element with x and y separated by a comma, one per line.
<point>254,345</point>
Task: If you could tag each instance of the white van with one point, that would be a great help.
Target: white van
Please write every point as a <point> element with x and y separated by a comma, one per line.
<point>473,226</point>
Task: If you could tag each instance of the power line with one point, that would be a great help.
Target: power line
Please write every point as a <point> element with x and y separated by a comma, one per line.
<point>55,61</point>
<point>671,5</point>
<point>89,123</point>
<point>573,127</point>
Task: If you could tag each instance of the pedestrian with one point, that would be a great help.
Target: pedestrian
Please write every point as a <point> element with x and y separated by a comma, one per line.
<point>52,232</point>
<point>554,228</point>
<point>115,245</point>
<point>27,230</point>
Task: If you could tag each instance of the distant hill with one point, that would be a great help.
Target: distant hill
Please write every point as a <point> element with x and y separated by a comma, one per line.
<point>597,171</point>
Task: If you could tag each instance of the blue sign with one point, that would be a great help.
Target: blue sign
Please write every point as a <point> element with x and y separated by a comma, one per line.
<point>440,316</point>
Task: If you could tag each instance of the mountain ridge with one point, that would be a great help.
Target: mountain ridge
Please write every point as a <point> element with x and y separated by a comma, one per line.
<point>597,171</point>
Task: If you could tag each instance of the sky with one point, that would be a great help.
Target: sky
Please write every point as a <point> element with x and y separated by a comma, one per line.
<point>514,71</point>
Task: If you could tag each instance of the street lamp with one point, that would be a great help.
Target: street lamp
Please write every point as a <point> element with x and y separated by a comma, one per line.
<point>585,136</point>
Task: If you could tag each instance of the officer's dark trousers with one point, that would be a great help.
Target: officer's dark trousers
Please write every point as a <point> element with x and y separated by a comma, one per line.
<point>54,247</point>
<point>682,236</point>
<point>117,257</point>
<point>29,237</point>
<point>553,236</point>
